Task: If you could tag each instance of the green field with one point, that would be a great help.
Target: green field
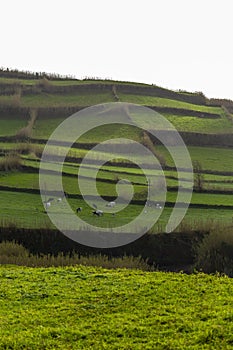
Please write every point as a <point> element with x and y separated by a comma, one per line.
<point>26,209</point>
<point>84,99</point>
<point>10,127</point>
<point>94,308</point>
<point>211,158</point>
<point>164,102</point>
<point>201,125</point>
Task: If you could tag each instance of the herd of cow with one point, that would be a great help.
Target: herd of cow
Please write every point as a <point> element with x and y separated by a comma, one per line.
<point>96,211</point>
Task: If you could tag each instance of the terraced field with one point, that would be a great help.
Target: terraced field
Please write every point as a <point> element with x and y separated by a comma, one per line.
<point>21,183</point>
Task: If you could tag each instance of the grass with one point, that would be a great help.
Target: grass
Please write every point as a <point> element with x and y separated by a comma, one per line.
<point>95,308</point>
<point>31,181</point>
<point>200,125</point>
<point>43,129</point>
<point>10,127</point>
<point>7,146</point>
<point>22,210</point>
<point>26,209</point>
<point>164,102</point>
<point>59,100</point>
<point>211,158</point>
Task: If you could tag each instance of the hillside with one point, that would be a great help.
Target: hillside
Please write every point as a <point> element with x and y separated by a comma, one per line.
<point>189,112</point>
<point>32,105</point>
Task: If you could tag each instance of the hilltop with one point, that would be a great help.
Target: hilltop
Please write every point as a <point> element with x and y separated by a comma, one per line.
<point>201,121</point>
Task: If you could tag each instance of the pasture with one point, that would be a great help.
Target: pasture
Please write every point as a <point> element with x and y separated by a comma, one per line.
<point>20,202</point>
<point>216,172</point>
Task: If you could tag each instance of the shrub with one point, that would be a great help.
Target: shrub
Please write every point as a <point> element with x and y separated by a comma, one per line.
<point>26,132</point>
<point>29,148</point>
<point>44,84</point>
<point>16,98</point>
<point>146,141</point>
<point>12,249</point>
<point>10,161</point>
<point>14,253</point>
<point>114,91</point>
<point>215,252</point>
<point>198,176</point>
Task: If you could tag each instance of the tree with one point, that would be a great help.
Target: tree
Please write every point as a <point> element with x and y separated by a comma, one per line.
<point>146,141</point>
<point>198,176</point>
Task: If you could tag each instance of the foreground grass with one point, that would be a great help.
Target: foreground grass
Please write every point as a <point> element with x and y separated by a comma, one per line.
<point>94,308</point>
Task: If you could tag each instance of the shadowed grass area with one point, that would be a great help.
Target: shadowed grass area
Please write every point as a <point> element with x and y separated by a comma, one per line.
<point>10,127</point>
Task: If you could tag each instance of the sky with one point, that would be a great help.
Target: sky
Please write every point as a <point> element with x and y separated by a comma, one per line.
<point>176,44</point>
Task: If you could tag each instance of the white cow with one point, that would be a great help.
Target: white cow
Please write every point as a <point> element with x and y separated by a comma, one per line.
<point>111,204</point>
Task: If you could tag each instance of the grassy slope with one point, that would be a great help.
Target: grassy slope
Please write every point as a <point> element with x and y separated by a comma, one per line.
<point>84,99</point>
<point>8,128</point>
<point>201,125</point>
<point>210,158</point>
<point>164,102</point>
<point>94,308</point>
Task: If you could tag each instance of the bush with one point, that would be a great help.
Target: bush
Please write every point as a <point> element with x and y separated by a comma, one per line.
<point>146,141</point>
<point>29,148</point>
<point>14,253</point>
<point>215,252</point>
<point>26,132</point>
<point>44,84</point>
<point>12,249</point>
<point>11,161</point>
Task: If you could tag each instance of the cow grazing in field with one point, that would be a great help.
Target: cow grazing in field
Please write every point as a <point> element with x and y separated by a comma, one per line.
<point>97,212</point>
<point>111,204</point>
<point>47,206</point>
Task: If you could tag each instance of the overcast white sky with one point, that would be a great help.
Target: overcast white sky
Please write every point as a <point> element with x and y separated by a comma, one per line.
<point>178,44</point>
